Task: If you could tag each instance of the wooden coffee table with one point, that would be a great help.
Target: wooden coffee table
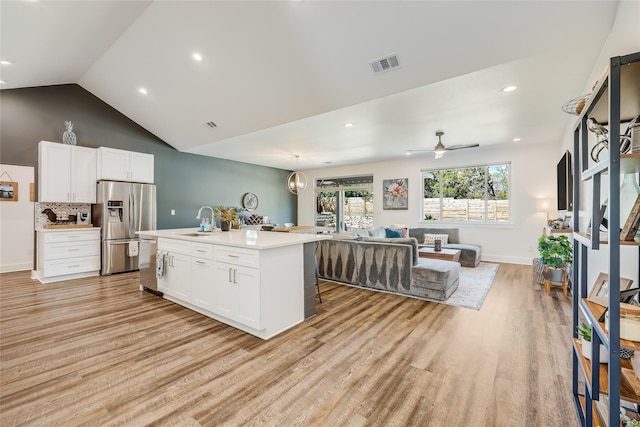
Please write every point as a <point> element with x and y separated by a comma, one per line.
<point>446,254</point>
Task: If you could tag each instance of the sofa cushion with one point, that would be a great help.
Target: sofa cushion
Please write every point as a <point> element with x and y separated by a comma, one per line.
<point>378,232</point>
<point>393,233</point>
<point>418,233</point>
<point>361,232</point>
<point>429,239</point>
<point>434,278</point>
<point>399,241</point>
<point>401,227</point>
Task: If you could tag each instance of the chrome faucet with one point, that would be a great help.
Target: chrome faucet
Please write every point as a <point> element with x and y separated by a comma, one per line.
<point>213,224</point>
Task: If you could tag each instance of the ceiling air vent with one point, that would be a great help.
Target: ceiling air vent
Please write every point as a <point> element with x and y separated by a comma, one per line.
<point>386,63</point>
<point>211,125</point>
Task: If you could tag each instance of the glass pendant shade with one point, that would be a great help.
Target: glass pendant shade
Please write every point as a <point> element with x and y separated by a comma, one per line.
<point>296,182</point>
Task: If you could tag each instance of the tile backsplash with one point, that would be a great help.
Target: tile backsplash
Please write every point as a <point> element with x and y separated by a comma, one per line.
<point>41,219</point>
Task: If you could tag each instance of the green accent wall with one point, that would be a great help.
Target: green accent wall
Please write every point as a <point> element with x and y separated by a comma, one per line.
<point>184,181</point>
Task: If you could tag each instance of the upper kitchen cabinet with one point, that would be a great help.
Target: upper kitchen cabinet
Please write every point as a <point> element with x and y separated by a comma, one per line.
<point>122,165</point>
<point>66,173</point>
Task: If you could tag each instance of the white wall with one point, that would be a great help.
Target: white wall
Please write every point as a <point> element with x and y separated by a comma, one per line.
<point>533,176</point>
<point>623,39</point>
<point>16,222</point>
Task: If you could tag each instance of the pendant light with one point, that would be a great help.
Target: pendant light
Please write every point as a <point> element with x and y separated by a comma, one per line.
<point>296,181</point>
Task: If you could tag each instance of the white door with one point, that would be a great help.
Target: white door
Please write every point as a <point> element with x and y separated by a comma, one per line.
<point>54,172</point>
<point>202,277</point>
<point>83,175</point>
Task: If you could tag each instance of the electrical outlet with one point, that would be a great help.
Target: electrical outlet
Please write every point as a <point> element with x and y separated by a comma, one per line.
<point>173,211</point>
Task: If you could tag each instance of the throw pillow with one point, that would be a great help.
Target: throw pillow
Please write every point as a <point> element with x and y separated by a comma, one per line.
<point>393,233</point>
<point>403,228</point>
<point>377,232</point>
<point>429,239</point>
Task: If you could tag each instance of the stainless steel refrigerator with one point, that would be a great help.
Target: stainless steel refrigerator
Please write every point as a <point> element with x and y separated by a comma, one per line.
<point>123,208</point>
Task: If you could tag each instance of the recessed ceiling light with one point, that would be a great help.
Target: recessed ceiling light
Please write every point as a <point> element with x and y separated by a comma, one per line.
<point>1,82</point>
<point>516,139</point>
<point>509,88</point>
<point>197,56</point>
<point>407,153</point>
<point>142,91</point>
<point>348,125</point>
<point>6,62</point>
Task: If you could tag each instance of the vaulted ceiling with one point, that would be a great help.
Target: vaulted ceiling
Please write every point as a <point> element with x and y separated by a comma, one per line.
<point>281,79</point>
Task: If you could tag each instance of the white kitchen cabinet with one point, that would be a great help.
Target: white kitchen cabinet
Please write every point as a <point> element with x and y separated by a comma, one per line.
<point>176,280</point>
<point>253,284</point>
<point>237,294</point>
<point>66,173</point>
<point>202,276</point>
<point>63,255</point>
<point>123,165</point>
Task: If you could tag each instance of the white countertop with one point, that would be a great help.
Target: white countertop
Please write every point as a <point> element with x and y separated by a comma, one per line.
<point>237,238</point>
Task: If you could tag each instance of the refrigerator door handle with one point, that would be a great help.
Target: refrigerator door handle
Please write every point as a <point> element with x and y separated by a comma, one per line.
<point>131,215</point>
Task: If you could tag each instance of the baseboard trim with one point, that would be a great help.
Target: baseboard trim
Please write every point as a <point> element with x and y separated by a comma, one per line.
<point>10,268</point>
<point>507,259</point>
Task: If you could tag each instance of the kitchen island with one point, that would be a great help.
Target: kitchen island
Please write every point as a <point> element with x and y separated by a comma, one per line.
<point>252,280</point>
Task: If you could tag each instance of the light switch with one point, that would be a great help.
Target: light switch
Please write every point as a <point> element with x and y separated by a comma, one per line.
<point>173,211</point>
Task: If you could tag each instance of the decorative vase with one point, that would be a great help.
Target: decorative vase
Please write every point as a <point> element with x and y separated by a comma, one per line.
<point>68,137</point>
<point>224,225</point>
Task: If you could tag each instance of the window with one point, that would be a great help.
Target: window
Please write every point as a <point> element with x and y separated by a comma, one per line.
<point>345,203</point>
<point>471,194</point>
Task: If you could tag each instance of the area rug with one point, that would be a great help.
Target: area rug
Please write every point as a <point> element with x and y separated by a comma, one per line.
<point>474,286</point>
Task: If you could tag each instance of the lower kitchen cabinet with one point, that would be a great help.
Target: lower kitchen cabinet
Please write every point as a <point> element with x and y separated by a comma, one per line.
<point>65,254</point>
<point>202,283</point>
<point>237,293</point>
<point>230,283</point>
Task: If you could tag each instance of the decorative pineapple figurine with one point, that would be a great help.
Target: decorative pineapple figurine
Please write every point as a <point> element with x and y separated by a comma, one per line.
<point>69,137</point>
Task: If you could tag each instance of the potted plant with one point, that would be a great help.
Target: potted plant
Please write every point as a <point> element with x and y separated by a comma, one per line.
<point>585,331</point>
<point>555,252</point>
<point>227,215</point>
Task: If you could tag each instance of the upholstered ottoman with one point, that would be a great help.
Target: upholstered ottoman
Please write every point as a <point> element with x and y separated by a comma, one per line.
<point>435,279</point>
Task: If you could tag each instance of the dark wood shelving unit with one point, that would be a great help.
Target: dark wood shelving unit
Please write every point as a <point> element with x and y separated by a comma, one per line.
<point>615,99</point>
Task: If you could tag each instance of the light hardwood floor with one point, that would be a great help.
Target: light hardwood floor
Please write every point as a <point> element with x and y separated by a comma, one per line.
<point>100,352</point>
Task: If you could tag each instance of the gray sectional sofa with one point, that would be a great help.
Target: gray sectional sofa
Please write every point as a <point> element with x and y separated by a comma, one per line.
<point>387,264</point>
<point>469,254</point>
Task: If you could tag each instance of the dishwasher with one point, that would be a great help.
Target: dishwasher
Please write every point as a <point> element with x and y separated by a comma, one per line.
<point>148,251</point>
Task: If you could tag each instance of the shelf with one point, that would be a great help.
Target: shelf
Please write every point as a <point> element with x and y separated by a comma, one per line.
<point>626,392</point>
<point>629,96</point>
<point>597,420</point>
<point>629,163</point>
<point>596,311</point>
<point>585,239</point>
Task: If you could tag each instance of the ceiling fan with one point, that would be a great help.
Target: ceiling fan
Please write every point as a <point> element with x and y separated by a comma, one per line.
<point>440,149</point>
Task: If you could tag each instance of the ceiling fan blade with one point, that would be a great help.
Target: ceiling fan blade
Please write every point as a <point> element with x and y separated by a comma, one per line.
<point>418,151</point>
<point>460,147</point>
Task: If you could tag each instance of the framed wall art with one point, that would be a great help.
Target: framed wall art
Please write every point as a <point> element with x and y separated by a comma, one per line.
<point>8,191</point>
<point>395,193</point>
<point>600,292</point>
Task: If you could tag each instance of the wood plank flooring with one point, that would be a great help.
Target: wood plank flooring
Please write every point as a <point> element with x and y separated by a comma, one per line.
<point>99,351</point>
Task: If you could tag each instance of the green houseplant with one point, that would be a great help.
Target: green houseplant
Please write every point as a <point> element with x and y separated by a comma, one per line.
<point>555,252</point>
<point>228,215</point>
<point>584,331</point>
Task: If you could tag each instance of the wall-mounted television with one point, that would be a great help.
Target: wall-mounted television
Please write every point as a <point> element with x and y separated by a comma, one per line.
<point>565,183</point>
